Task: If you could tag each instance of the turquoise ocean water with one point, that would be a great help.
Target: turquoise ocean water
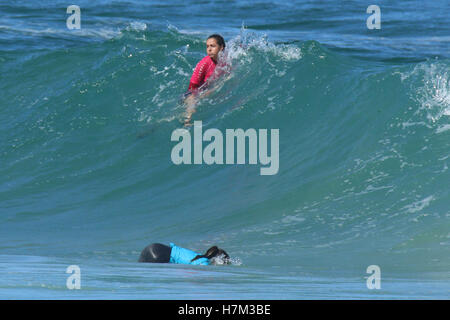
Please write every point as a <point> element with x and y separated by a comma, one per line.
<point>87,179</point>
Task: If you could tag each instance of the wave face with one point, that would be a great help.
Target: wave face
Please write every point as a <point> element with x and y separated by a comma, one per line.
<point>85,143</point>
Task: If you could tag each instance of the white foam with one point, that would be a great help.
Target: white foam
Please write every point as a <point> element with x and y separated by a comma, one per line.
<point>434,96</point>
<point>239,46</point>
<point>443,128</point>
<point>419,205</point>
<point>292,219</point>
<point>137,26</point>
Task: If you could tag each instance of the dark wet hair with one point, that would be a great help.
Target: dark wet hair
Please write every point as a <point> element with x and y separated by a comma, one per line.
<point>212,253</point>
<point>219,39</point>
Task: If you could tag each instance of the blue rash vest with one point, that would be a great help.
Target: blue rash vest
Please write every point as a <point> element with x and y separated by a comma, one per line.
<point>184,256</point>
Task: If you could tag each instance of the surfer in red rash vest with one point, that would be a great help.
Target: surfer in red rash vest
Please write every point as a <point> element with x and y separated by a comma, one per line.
<point>204,70</point>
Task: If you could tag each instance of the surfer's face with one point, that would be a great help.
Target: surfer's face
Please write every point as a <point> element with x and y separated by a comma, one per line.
<point>212,48</point>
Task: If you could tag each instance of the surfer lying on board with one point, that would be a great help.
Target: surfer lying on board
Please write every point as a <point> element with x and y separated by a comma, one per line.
<point>160,253</point>
<point>202,72</point>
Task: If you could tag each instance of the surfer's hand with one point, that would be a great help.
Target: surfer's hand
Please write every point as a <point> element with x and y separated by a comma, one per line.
<point>187,120</point>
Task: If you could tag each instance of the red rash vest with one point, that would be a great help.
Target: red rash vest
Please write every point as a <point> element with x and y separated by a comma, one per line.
<point>203,70</point>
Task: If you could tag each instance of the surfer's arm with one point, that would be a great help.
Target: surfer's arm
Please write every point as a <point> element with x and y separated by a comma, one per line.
<point>195,85</point>
<point>189,102</point>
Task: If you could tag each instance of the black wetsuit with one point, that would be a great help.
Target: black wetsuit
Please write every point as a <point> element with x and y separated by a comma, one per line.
<point>156,252</point>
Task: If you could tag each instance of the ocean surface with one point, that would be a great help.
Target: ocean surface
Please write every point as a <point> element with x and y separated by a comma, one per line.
<point>87,179</point>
